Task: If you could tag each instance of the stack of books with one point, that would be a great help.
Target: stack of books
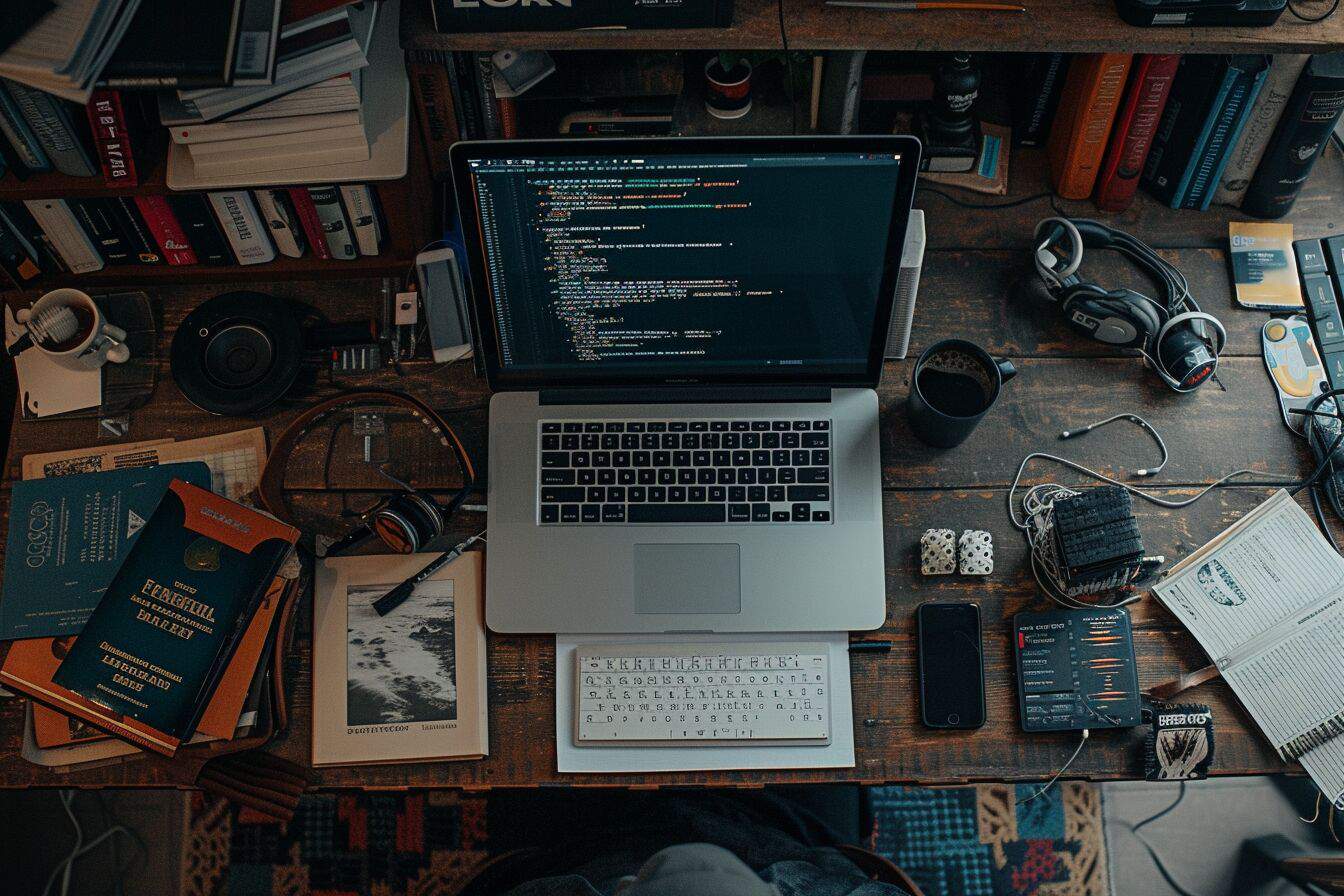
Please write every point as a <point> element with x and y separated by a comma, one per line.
<point>161,637</point>
<point>311,114</point>
<point>67,45</point>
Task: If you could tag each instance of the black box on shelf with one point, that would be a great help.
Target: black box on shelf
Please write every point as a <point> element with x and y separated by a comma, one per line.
<point>460,16</point>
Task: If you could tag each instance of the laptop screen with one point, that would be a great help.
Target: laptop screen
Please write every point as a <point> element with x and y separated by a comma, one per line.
<point>751,264</point>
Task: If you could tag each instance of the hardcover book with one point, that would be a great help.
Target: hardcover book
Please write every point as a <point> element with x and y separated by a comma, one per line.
<point>68,536</point>
<point>175,44</point>
<point>142,247</point>
<point>95,216</point>
<point>327,202</point>
<point>72,244</point>
<point>403,687</point>
<point>56,129</point>
<point>1264,115</point>
<point>23,222</point>
<point>1135,124</point>
<point>1299,139</point>
<point>1034,106</point>
<point>361,207</point>
<point>282,221</point>
<point>28,156</point>
<point>18,258</point>
<point>194,214</point>
<point>159,641</point>
<point>167,231</point>
<point>1083,123</point>
<point>1250,72</point>
<point>112,138</point>
<point>242,225</point>
<point>312,225</point>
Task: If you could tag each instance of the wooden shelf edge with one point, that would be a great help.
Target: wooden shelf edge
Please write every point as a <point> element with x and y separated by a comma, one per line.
<point>287,269</point>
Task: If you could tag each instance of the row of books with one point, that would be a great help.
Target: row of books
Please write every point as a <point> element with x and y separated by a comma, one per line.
<point>227,227</point>
<point>1239,130</point>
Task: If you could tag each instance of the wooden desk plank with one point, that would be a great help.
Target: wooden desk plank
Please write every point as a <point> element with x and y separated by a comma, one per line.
<point>891,744</point>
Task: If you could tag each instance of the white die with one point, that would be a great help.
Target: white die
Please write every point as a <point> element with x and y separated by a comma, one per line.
<point>975,553</point>
<point>937,552</point>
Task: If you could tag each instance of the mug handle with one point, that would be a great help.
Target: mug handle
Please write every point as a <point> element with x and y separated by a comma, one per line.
<point>1006,369</point>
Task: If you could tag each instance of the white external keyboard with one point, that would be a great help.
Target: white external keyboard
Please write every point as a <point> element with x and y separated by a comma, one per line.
<point>702,694</point>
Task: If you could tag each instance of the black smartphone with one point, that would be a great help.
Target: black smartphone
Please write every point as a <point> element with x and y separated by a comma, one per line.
<point>951,665</point>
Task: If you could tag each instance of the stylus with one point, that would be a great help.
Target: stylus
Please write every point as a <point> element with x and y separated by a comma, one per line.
<point>397,596</point>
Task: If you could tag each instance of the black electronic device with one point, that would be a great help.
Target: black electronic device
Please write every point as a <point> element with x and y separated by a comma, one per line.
<point>951,665</point>
<point>1201,13</point>
<point>1178,341</point>
<point>1096,535</point>
<point>1076,670</point>
<point>949,128</point>
<point>240,352</point>
<point>1320,265</point>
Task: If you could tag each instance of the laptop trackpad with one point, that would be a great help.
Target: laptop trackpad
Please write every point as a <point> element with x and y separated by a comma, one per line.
<point>688,578</point>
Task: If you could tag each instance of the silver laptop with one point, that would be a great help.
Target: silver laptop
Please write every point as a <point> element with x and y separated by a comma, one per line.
<point>683,337</point>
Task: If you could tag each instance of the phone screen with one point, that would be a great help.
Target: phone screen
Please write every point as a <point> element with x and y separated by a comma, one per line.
<point>951,671</point>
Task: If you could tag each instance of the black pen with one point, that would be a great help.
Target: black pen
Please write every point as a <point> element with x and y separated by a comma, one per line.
<point>394,598</point>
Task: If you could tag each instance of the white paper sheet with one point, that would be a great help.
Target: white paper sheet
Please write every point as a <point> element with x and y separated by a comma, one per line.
<point>839,753</point>
<point>47,388</point>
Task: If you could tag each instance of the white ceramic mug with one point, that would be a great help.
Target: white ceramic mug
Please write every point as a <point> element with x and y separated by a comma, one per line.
<point>101,341</point>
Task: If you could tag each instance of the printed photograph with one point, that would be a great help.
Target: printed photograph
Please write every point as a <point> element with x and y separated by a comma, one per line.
<point>400,667</point>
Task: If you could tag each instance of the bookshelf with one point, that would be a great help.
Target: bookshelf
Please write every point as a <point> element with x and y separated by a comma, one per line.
<point>1047,25</point>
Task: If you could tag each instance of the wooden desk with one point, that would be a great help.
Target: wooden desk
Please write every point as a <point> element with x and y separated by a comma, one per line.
<point>1063,382</point>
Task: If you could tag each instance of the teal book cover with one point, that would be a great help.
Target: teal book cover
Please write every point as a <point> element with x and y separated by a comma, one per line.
<point>67,537</point>
<point>154,648</point>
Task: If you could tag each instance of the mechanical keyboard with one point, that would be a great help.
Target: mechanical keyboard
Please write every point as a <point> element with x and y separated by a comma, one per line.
<point>594,472</point>
<point>701,694</point>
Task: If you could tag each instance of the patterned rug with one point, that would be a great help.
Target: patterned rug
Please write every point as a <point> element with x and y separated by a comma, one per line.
<point>973,841</point>
<point>953,841</point>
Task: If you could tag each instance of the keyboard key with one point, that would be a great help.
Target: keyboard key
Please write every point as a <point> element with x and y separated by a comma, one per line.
<point>677,513</point>
<point>647,477</point>
<point>722,458</point>
<point>751,440</point>
<point>648,441</point>
<point>813,474</point>
<point>550,513</point>
<point>592,513</point>
<point>718,493</point>
<point>747,476</point>
<point>676,493</point>
<point>614,426</point>
<point>616,494</point>
<point>800,458</point>
<point>634,427</point>
<point>580,459</point>
<point>727,476</point>
<point>569,443</point>
<point>690,440</point>
<point>821,457</point>
<point>601,458</point>
<point>801,424</point>
<point>789,440</point>
<point>677,426</point>
<point>741,458</point>
<point>669,441</point>
<point>739,513</point>
<point>756,493</point>
<point>657,494</point>
<point>737,493</point>
<point>696,494</point>
<point>667,476</point>
<point>629,442</point>
<point>557,477</point>
<point>710,440</point>
<point>767,476</point>
<point>637,494</point>
<point>779,516</point>
<point>662,458</point>
<point>596,494</point>
<point>821,424</point>
<point>686,476</point>
<point>718,425</point>
<point>760,513</point>
<point>802,513</point>
<point>809,493</point>
<point>573,427</point>
<point>554,459</point>
<point>586,477</point>
<point>620,459</point>
<point>788,476</point>
<point>590,442</point>
<point>775,493</point>
<point>760,425</point>
<point>700,458</point>
<point>681,458</point>
<point>739,426</point>
<point>699,426</point>
<point>592,427</point>
<point>606,477</point>
<point>640,458</point>
<point>817,440</point>
<point>821,516</point>
<point>732,441</point>
<point>550,427</point>
<point>550,443</point>
<point>705,476</point>
<point>611,441</point>
<point>779,425</point>
<point>625,477</point>
<point>569,513</point>
<point>657,427</point>
<point>770,440</point>
<point>613,513</point>
<point>760,458</point>
<point>779,458</point>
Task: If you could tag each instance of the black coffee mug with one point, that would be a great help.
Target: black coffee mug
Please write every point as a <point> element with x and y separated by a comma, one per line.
<point>953,385</point>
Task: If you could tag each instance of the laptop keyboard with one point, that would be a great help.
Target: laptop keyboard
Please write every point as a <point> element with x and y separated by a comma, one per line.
<point>596,472</point>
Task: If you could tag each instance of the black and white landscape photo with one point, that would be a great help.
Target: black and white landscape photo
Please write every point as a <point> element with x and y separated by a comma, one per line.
<point>401,668</point>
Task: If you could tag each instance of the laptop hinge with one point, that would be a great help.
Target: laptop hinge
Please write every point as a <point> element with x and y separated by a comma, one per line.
<point>686,395</point>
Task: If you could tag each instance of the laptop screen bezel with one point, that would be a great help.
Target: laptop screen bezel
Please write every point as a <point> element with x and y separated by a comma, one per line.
<point>502,379</point>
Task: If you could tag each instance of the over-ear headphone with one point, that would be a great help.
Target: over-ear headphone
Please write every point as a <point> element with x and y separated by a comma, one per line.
<point>406,521</point>
<point>1178,340</point>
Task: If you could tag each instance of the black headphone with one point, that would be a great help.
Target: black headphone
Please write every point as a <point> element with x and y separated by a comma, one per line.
<point>1178,340</point>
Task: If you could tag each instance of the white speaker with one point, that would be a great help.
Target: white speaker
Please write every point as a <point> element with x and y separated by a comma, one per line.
<point>907,285</point>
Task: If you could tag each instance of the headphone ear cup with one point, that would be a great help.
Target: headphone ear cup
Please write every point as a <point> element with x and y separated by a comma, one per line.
<point>1144,310</point>
<point>407,522</point>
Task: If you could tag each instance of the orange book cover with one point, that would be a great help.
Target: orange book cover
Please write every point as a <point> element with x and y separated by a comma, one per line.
<point>1083,122</point>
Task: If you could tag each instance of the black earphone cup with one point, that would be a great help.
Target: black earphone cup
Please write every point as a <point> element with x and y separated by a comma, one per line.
<point>1186,356</point>
<point>407,522</point>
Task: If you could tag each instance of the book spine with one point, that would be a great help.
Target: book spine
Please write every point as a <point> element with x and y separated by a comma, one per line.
<point>490,114</point>
<point>327,201</point>
<point>468,98</point>
<point>1308,119</point>
<point>1264,115</point>
<point>18,262</point>
<point>111,137</point>
<point>198,222</point>
<point>1135,125</point>
<point>281,220</point>
<point>21,138</point>
<point>1197,80</point>
<point>362,210</point>
<point>436,114</point>
<point>73,245</point>
<point>51,122</point>
<point>23,221</point>
<point>312,225</point>
<point>1209,121</point>
<point>94,216</point>
<point>1039,99</point>
<point>1226,130</point>
<point>168,233</point>
<point>1091,96</point>
<point>132,226</point>
<point>242,225</point>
